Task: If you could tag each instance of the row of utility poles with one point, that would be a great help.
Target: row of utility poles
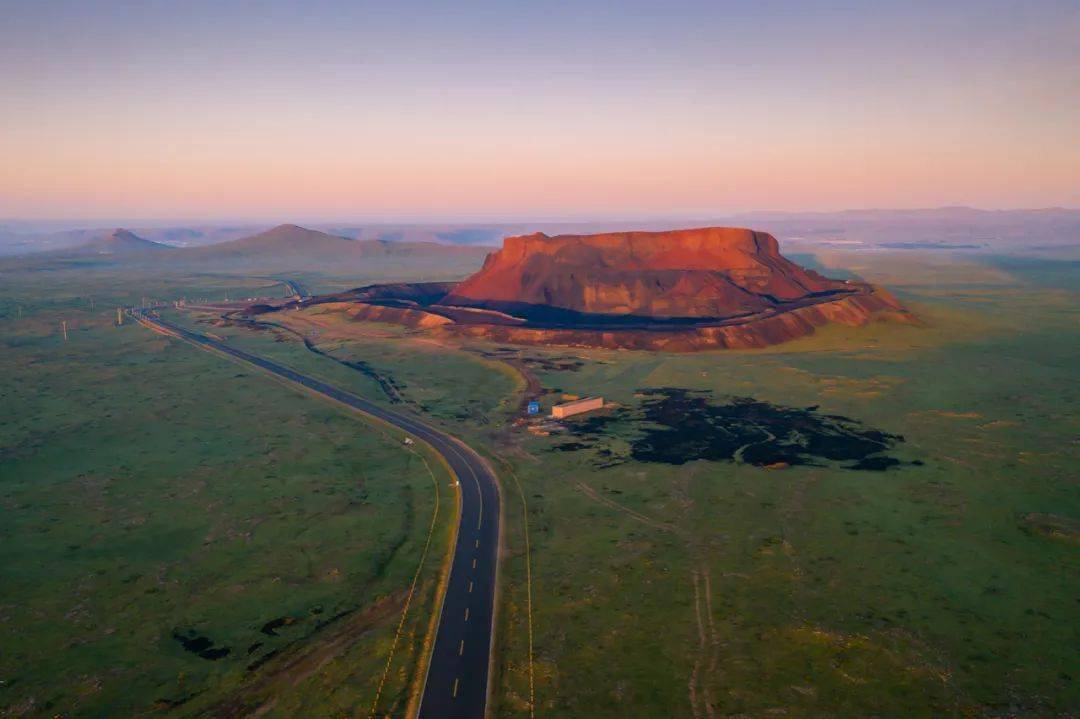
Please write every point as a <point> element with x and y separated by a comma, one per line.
<point>119,322</point>
<point>146,302</point>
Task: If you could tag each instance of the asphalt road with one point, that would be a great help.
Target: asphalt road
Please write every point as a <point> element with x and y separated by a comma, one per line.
<point>296,288</point>
<point>457,678</point>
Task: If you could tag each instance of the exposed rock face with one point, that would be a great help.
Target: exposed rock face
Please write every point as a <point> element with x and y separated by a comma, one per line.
<point>682,290</point>
<point>714,272</point>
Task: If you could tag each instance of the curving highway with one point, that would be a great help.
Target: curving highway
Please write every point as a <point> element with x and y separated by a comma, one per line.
<point>457,677</point>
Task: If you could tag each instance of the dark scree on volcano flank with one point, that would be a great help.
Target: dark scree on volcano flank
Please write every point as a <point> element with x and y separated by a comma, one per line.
<point>675,426</point>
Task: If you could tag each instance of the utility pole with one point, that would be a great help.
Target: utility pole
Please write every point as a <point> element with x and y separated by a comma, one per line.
<point>119,318</point>
<point>63,326</point>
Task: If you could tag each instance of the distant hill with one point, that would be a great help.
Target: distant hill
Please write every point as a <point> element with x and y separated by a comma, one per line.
<point>285,248</point>
<point>300,247</point>
<point>283,241</point>
<point>119,242</point>
<point>17,240</point>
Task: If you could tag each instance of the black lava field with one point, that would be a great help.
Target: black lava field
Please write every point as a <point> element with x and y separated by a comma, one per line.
<point>674,426</point>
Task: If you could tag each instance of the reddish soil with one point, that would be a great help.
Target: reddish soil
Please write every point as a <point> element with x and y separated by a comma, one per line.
<point>714,272</point>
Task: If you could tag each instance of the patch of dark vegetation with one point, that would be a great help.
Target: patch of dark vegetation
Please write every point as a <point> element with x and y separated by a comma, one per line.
<point>675,426</point>
<point>383,559</point>
<point>597,424</point>
<point>271,627</point>
<point>166,703</point>
<point>553,364</point>
<point>390,387</point>
<point>199,645</point>
<point>876,464</point>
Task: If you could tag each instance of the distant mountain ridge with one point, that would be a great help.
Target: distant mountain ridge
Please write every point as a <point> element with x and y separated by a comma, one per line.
<point>284,248</point>
<point>281,241</point>
<point>292,241</point>
<point>1032,231</point>
<point>121,242</point>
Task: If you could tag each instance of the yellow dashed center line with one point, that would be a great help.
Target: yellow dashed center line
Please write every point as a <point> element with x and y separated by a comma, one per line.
<point>461,648</point>
<point>453,692</point>
<point>470,587</point>
<point>474,564</point>
<point>466,614</point>
<point>478,544</point>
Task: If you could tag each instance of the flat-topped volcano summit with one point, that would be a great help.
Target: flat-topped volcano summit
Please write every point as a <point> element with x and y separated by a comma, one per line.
<point>677,290</point>
<point>714,272</point>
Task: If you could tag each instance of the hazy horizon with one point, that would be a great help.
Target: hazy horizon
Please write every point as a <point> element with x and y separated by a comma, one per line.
<point>60,224</point>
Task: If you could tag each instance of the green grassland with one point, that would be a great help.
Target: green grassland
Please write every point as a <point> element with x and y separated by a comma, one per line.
<point>820,591</point>
<point>156,497</point>
<point>943,586</point>
<point>924,590</point>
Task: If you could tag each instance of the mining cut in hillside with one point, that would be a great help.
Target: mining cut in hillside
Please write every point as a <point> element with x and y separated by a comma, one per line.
<point>679,290</point>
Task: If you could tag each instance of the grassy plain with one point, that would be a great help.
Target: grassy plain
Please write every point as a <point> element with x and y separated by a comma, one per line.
<point>727,589</point>
<point>719,588</point>
<point>716,588</point>
<point>184,536</point>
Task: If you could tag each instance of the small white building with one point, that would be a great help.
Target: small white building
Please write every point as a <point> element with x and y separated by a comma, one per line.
<point>567,409</point>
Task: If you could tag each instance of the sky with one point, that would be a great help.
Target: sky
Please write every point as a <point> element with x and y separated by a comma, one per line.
<point>347,110</point>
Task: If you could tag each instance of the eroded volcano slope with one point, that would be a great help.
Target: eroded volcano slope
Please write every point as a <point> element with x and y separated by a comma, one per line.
<point>682,290</point>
